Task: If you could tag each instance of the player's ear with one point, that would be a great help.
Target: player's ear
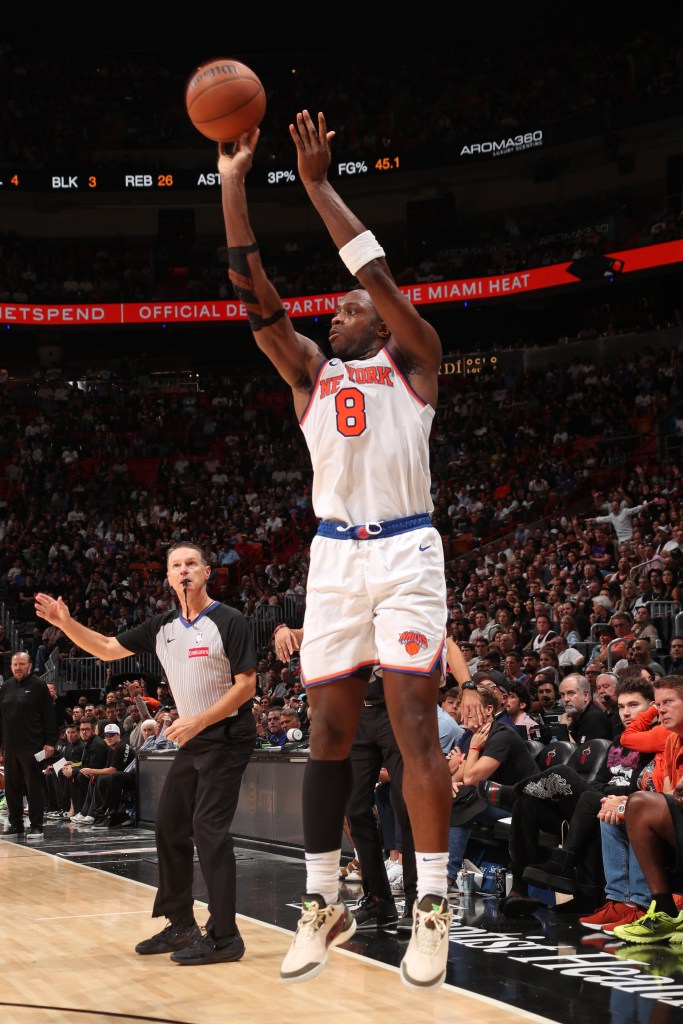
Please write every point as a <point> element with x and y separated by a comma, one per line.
<point>383,331</point>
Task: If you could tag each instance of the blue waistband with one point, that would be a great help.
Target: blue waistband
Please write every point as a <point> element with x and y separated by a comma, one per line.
<point>371,531</point>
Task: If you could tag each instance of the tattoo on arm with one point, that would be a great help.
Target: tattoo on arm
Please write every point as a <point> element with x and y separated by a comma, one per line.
<point>242,284</point>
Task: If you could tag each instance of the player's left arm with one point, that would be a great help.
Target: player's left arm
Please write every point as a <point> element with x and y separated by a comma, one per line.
<point>416,341</point>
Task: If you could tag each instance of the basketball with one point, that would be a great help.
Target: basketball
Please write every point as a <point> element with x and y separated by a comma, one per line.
<point>224,98</point>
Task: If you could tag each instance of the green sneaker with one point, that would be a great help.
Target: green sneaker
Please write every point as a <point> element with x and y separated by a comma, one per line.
<point>654,926</point>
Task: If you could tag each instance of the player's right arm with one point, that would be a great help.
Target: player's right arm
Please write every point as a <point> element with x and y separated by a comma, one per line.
<point>106,648</point>
<point>296,357</point>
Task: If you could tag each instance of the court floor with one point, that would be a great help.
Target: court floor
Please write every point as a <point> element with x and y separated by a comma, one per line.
<point>73,907</point>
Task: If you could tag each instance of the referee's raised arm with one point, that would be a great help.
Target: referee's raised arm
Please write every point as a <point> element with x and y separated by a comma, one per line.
<point>56,612</point>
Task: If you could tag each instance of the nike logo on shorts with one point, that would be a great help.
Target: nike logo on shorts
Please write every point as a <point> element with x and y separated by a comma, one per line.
<point>424,547</point>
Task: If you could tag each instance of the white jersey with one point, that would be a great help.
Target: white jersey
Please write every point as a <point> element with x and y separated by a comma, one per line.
<point>367,432</point>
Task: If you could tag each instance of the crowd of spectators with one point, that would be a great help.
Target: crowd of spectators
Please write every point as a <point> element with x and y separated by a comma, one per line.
<point>109,270</point>
<point>98,480</point>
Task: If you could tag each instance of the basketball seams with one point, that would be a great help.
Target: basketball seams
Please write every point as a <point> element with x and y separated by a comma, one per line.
<point>195,105</point>
<point>225,98</point>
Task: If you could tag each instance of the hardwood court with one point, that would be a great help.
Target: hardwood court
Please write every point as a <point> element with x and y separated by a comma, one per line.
<point>68,931</point>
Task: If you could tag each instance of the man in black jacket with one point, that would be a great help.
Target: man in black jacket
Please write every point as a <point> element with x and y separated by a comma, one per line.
<point>28,726</point>
<point>583,719</point>
<point>93,755</point>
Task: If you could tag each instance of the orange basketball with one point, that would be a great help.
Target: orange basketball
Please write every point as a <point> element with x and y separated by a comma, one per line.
<point>224,98</point>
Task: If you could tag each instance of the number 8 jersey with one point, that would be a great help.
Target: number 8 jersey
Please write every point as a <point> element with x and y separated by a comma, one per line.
<point>367,432</point>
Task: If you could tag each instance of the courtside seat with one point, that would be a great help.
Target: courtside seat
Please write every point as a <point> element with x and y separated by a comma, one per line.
<point>553,753</point>
<point>585,759</point>
<point>589,757</point>
<point>535,746</point>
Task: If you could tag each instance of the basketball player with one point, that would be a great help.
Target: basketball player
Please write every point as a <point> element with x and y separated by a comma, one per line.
<point>376,584</point>
<point>209,659</point>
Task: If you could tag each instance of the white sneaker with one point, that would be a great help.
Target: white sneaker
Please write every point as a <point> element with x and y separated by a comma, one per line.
<point>424,964</point>
<point>320,927</point>
<point>350,872</point>
<point>394,867</point>
<point>396,882</point>
<point>87,819</point>
<point>76,818</point>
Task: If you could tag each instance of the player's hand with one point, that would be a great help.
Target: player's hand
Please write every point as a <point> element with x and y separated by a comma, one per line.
<point>236,158</point>
<point>312,146</point>
<point>471,710</point>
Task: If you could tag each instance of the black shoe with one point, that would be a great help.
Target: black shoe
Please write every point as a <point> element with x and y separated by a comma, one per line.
<point>558,872</point>
<point>13,830</point>
<point>405,921</point>
<point>371,913</point>
<point>173,937</point>
<point>516,905</point>
<point>103,822</point>
<point>496,794</point>
<point>119,819</point>
<point>205,950</point>
<point>34,835</point>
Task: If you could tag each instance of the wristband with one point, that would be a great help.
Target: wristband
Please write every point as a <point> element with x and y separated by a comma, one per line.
<point>478,749</point>
<point>280,625</point>
<point>360,250</point>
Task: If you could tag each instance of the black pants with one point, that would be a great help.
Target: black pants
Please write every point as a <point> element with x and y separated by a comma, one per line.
<point>578,806</point>
<point>198,799</point>
<point>23,774</point>
<point>53,794</point>
<point>375,746</point>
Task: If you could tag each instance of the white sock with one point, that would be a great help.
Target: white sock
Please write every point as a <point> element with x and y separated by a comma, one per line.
<point>322,874</point>
<point>432,874</point>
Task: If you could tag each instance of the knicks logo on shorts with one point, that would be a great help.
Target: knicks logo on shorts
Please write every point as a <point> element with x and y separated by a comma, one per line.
<point>413,641</point>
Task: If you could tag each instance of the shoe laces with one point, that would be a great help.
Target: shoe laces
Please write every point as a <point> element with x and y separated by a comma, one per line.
<point>431,929</point>
<point>652,917</point>
<point>312,919</point>
<point>366,903</point>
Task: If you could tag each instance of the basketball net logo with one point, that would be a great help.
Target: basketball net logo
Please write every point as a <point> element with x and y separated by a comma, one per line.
<point>413,641</point>
<point>198,639</point>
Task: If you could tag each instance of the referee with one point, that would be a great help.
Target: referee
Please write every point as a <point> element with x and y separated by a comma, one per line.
<point>207,652</point>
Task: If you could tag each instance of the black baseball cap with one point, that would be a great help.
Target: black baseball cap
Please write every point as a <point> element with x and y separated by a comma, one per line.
<point>493,676</point>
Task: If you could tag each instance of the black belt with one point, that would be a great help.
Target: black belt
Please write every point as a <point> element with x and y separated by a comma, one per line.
<point>373,702</point>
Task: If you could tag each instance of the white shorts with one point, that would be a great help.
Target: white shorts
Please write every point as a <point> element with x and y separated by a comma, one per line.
<point>374,602</point>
